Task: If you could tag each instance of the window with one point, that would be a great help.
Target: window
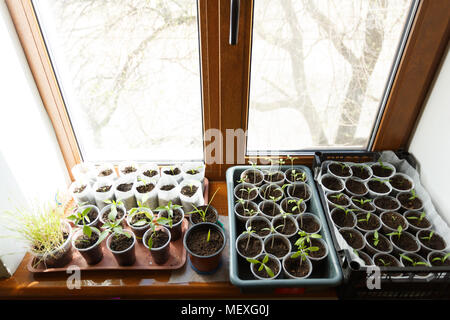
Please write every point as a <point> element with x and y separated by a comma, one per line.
<point>129,74</point>
<point>320,71</point>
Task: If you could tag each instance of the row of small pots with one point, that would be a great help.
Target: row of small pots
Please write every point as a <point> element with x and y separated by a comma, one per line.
<point>257,177</point>
<point>272,192</point>
<point>364,172</point>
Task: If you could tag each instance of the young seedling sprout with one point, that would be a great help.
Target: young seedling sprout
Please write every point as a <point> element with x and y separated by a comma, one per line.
<point>337,196</point>
<point>413,195</point>
<point>298,204</point>
<point>380,180</point>
<point>272,230</point>
<point>208,237</point>
<point>262,264</point>
<point>169,208</point>
<point>249,233</point>
<point>376,238</point>
<point>248,190</point>
<point>397,233</point>
<point>114,226</point>
<point>305,238</point>
<point>153,225</point>
<point>383,166</point>
<point>303,252</point>
<point>362,201</point>
<point>366,219</point>
<point>385,264</point>
<point>114,204</point>
<point>414,263</point>
<point>441,259</point>
<point>301,175</point>
<point>346,210</point>
<point>194,170</point>
<point>430,235</point>
<point>141,209</point>
<point>202,213</point>
<point>419,219</point>
<point>87,230</point>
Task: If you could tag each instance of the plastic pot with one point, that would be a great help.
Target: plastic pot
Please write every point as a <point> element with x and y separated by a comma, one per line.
<point>195,218</point>
<point>350,240</point>
<point>125,257</point>
<point>398,250</point>
<point>110,177</point>
<point>416,258</point>
<point>92,254</point>
<point>128,164</point>
<point>414,205</point>
<point>361,227</point>
<point>326,178</point>
<point>299,185</point>
<point>268,244</point>
<point>301,220</point>
<point>359,208</point>
<point>332,163</point>
<point>269,177</point>
<point>437,254</point>
<point>338,211</point>
<point>283,221</point>
<point>196,200</point>
<point>100,197</point>
<point>243,238</point>
<point>356,169</point>
<point>93,223</point>
<point>161,254</point>
<point>426,248</point>
<point>380,209</point>
<point>264,192</point>
<point>395,190</point>
<point>374,194</point>
<point>176,229</point>
<point>127,197</point>
<point>149,167</point>
<point>288,274</point>
<point>386,228</point>
<point>374,165</point>
<point>274,207</point>
<point>285,206</point>
<point>193,171</point>
<point>260,258</point>
<point>250,222</point>
<point>288,175</point>
<point>332,205</point>
<point>319,260</point>
<point>120,207</point>
<point>166,171</point>
<point>367,260</point>
<point>393,262</point>
<point>166,196</point>
<point>151,196</point>
<point>239,192</point>
<point>257,173</point>
<point>84,197</point>
<point>371,249</point>
<point>353,194</point>
<point>139,231</point>
<point>84,171</point>
<point>414,228</point>
<point>205,264</point>
<point>249,205</point>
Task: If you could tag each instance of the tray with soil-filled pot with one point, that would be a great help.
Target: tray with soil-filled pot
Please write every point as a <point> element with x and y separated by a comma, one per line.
<point>396,218</point>
<point>274,231</point>
<point>157,259</point>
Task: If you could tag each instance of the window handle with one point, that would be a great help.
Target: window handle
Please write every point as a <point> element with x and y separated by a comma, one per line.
<point>234,21</point>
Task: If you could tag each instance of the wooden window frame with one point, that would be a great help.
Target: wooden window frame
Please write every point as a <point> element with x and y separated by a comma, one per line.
<point>226,75</point>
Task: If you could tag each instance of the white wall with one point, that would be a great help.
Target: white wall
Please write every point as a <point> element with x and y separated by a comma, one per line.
<point>431,142</point>
<point>31,164</point>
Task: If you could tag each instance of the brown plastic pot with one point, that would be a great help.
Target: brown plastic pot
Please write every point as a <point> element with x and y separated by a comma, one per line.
<point>205,264</point>
<point>125,257</point>
<point>94,253</point>
<point>176,230</point>
<point>161,254</point>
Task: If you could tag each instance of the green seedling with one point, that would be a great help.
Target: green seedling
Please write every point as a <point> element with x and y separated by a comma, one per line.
<point>366,219</point>
<point>241,180</point>
<point>381,164</point>
<point>299,176</point>
<point>249,233</point>
<point>202,212</point>
<point>305,238</point>
<point>141,209</point>
<point>247,211</point>
<point>291,159</point>
<point>273,230</point>
<point>79,217</point>
<point>298,204</point>
<point>362,201</point>
<point>376,238</point>
<point>441,259</point>
<point>428,238</point>
<point>346,210</point>
<point>379,180</point>
<point>248,190</point>
<point>169,208</point>
<point>114,226</point>
<point>303,252</point>
<point>398,233</point>
<point>413,195</point>
<point>208,237</point>
<point>262,265</point>
<point>414,263</point>
<point>114,204</point>
<point>338,196</point>
<point>194,170</point>
<point>385,264</point>
<point>419,219</point>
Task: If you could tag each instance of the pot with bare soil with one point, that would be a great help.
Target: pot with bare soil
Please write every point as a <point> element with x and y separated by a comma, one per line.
<point>401,182</point>
<point>339,169</point>
<point>386,203</point>
<point>82,193</point>
<point>168,191</point>
<point>390,221</point>
<point>260,225</point>
<point>106,172</point>
<point>383,170</point>
<point>300,190</point>
<point>123,191</point>
<point>378,187</point>
<point>204,243</point>
<point>309,223</point>
<point>338,199</point>
<point>364,257</point>
<point>269,209</point>
<point>355,187</point>
<point>430,241</point>
<point>248,245</point>
<point>246,191</point>
<point>353,237</point>
<point>361,171</point>
<point>344,217</point>
<point>331,183</point>
<point>377,243</point>
<point>191,195</point>
<point>265,267</point>
<point>277,245</point>
<point>103,191</point>
<point>417,221</point>
<point>122,245</point>
<point>129,169</point>
<point>367,222</point>
<point>410,201</point>
<point>157,240</point>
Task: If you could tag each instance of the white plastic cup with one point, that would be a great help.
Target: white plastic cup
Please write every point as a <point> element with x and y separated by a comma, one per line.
<point>100,197</point>
<point>149,166</point>
<point>125,164</point>
<point>152,196</point>
<point>196,200</point>
<point>178,177</point>
<point>101,168</point>
<point>287,274</point>
<point>173,195</point>
<point>189,169</point>
<point>127,197</point>
<point>84,197</point>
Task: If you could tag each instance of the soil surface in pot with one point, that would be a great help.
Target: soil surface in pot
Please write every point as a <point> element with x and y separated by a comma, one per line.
<point>192,172</point>
<point>125,187</point>
<point>356,187</point>
<point>270,209</point>
<point>371,224</point>
<point>92,215</point>
<point>380,171</point>
<point>439,263</point>
<point>339,170</point>
<point>289,208</point>
<point>400,183</point>
<point>386,203</point>
<point>274,177</point>
<point>308,224</point>
<point>296,267</point>
<point>278,249</point>
<point>120,242</point>
<point>253,249</point>
<point>301,192</point>
<point>270,263</point>
<point>83,241</point>
<point>272,191</point>
<point>258,225</point>
<point>177,216</point>
<point>366,206</point>
<point>210,216</point>
<point>105,173</point>
<point>79,189</point>
<point>353,239</point>
<point>405,243</point>
<point>422,224</point>
<point>436,242</point>
<point>332,183</point>
<point>296,177</point>
<point>244,194</point>
<point>150,173</point>
<point>160,238</point>
<point>342,219</point>
<point>129,169</point>
<point>174,172</point>
<point>386,260</point>
<point>167,187</point>
<point>196,241</point>
<point>188,191</point>
<point>408,203</point>
<point>253,177</point>
<point>408,263</point>
<point>338,199</point>
<point>383,243</point>
<point>104,189</point>
<point>119,215</point>
<point>319,253</point>
<point>377,186</point>
<point>360,172</point>
<point>145,188</point>
<point>393,220</point>
<point>286,226</point>
<point>240,209</point>
<point>138,217</point>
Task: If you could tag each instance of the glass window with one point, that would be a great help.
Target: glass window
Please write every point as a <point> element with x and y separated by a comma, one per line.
<point>320,70</point>
<point>129,73</point>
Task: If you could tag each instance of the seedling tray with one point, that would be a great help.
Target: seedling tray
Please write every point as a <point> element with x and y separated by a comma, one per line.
<point>354,286</point>
<point>329,275</point>
<point>144,260</point>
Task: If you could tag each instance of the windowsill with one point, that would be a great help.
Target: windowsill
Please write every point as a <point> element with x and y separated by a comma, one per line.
<point>132,284</point>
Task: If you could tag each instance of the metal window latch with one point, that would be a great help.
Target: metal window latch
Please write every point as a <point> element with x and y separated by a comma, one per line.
<point>234,21</point>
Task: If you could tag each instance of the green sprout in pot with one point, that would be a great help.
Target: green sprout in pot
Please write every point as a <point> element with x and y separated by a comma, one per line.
<point>247,212</point>
<point>141,211</point>
<point>169,208</point>
<point>413,195</point>
<point>262,265</point>
<point>208,237</point>
<point>114,226</point>
<point>114,204</point>
<point>414,263</point>
<point>376,238</point>
<point>346,210</point>
<point>194,170</point>
<point>398,233</point>
<point>441,259</point>
<point>203,212</point>
<point>428,238</point>
<point>303,251</point>
<point>297,206</point>
<point>272,230</point>
<point>291,159</point>
<point>383,166</point>
<point>305,238</point>
<point>249,233</point>
<point>362,201</point>
<point>338,196</point>
<point>153,233</point>
<point>385,264</point>
<point>80,217</point>
<point>419,219</point>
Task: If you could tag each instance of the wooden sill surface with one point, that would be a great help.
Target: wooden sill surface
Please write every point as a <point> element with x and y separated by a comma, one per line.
<point>137,284</point>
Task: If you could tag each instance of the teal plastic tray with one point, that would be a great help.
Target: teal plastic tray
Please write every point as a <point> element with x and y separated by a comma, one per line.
<point>330,274</point>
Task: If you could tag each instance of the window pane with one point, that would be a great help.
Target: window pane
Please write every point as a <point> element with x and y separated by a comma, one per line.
<point>319,71</point>
<point>130,76</point>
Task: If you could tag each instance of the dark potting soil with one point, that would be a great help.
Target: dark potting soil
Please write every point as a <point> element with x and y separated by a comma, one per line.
<point>338,198</point>
<point>138,217</point>
<point>439,263</point>
<point>174,172</point>
<point>210,216</point>
<point>423,224</point>
<point>332,183</point>
<point>410,204</point>
<point>83,241</point>
<point>278,249</point>
<point>386,203</point>
<point>150,173</point>
<point>145,188</point>
<point>340,170</point>
<point>308,224</point>
<point>253,248</point>
<point>92,215</point>
<point>301,191</point>
<point>393,220</point>
<point>160,238</point>
<point>240,209</point>
<point>400,183</point>
<point>270,209</point>
<point>125,187</point>
<point>319,253</point>
<point>196,241</point>
<point>342,219</point>
<point>129,169</point>
<point>244,194</point>
<point>192,172</point>
<point>360,172</point>
<point>120,242</point>
<point>352,238</point>
<point>364,258</point>
<point>105,173</point>
<point>381,172</point>
<point>104,189</point>
<point>80,189</point>
<point>372,224</point>
<point>383,243</point>
<point>119,215</point>
<point>436,242</point>
<point>297,267</point>
<point>367,206</point>
<point>177,216</point>
<point>274,177</point>
<point>356,187</point>
<point>288,226</point>
<point>288,207</point>
<point>258,225</point>
<point>272,191</point>
<point>405,243</point>
<point>167,187</point>
<point>188,191</point>
<point>253,177</point>
<point>378,186</point>
<point>389,261</point>
<point>263,273</point>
